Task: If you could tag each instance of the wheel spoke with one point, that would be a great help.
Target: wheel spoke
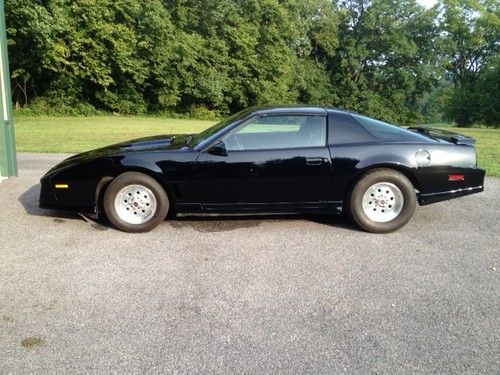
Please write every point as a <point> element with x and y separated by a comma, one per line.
<point>382,202</point>
<point>135,204</point>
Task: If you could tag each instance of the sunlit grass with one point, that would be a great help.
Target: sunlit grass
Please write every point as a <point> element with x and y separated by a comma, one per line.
<point>77,134</point>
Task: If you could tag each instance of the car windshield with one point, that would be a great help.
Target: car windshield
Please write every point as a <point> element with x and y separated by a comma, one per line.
<point>196,139</point>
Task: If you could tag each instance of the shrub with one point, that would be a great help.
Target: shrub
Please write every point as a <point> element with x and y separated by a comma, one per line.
<point>58,106</point>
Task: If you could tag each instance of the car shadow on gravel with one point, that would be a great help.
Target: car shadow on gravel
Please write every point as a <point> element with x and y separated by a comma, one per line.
<point>336,221</point>
<point>216,223</point>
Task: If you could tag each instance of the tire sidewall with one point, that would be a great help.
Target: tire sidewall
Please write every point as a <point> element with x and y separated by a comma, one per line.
<point>377,176</point>
<point>133,178</point>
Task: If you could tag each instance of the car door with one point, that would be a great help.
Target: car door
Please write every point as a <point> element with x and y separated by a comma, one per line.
<point>270,162</point>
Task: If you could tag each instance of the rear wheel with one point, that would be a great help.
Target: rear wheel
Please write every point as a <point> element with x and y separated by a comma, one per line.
<point>135,202</point>
<point>382,201</point>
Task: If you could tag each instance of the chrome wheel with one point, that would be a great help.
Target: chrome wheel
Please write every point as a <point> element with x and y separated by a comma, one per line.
<point>135,204</point>
<point>382,202</point>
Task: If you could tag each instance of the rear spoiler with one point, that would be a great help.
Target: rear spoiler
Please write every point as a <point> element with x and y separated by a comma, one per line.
<point>448,136</point>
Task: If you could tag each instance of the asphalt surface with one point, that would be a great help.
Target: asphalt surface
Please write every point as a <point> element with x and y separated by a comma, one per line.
<point>248,295</point>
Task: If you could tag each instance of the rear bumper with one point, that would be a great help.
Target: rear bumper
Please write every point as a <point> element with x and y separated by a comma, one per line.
<point>425,199</point>
<point>436,184</point>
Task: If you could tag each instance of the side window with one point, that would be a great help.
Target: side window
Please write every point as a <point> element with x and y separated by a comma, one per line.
<point>345,129</point>
<point>278,132</point>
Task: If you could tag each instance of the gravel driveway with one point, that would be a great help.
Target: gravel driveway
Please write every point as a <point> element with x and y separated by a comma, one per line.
<point>248,295</point>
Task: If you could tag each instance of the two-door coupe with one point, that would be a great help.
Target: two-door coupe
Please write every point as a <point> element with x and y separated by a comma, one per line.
<point>272,159</point>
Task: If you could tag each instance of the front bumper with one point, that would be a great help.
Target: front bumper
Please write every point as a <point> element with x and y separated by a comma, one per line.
<point>75,198</point>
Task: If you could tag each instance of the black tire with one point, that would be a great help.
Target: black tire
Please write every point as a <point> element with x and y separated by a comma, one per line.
<point>368,181</point>
<point>134,178</point>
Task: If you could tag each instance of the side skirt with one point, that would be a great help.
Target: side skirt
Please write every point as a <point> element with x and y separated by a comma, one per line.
<point>333,207</point>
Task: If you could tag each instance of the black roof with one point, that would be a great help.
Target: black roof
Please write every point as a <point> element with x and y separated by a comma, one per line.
<point>298,109</point>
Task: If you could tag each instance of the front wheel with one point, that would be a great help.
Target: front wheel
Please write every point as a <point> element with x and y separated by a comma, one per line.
<point>135,202</point>
<point>382,201</point>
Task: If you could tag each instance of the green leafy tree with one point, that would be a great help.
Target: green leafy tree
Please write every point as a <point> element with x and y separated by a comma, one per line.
<point>384,62</point>
<point>207,58</point>
<point>471,35</point>
<point>488,94</point>
<point>33,48</point>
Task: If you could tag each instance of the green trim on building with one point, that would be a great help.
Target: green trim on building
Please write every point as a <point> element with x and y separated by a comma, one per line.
<point>8,162</point>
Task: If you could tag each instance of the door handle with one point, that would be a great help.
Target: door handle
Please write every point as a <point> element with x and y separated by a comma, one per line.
<point>314,161</point>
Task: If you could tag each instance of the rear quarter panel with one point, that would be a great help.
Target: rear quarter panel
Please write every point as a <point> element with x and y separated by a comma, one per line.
<point>351,161</point>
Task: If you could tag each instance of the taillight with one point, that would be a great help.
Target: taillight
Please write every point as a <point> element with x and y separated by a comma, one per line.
<point>455,177</point>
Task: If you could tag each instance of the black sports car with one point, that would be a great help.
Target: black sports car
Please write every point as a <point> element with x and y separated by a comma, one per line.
<point>272,159</point>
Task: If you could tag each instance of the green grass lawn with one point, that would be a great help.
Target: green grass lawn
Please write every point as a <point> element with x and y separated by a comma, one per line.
<point>75,134</point>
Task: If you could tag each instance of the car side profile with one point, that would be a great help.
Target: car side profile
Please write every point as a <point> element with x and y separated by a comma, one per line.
<point>273,160</point>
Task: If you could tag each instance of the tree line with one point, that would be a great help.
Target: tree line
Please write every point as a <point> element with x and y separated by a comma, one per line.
<point>391,59</point>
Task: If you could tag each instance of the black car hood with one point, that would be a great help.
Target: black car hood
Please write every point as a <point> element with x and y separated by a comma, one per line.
<point>154,143</point>
<point>157,142</point>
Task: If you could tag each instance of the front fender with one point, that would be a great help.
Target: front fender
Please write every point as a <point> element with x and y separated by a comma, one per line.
<point>76,185</point>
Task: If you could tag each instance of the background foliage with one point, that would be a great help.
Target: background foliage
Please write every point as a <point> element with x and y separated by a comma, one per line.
<point>391,59</point>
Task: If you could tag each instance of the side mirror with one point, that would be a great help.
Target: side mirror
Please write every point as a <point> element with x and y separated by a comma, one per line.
<point>219,149</point>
